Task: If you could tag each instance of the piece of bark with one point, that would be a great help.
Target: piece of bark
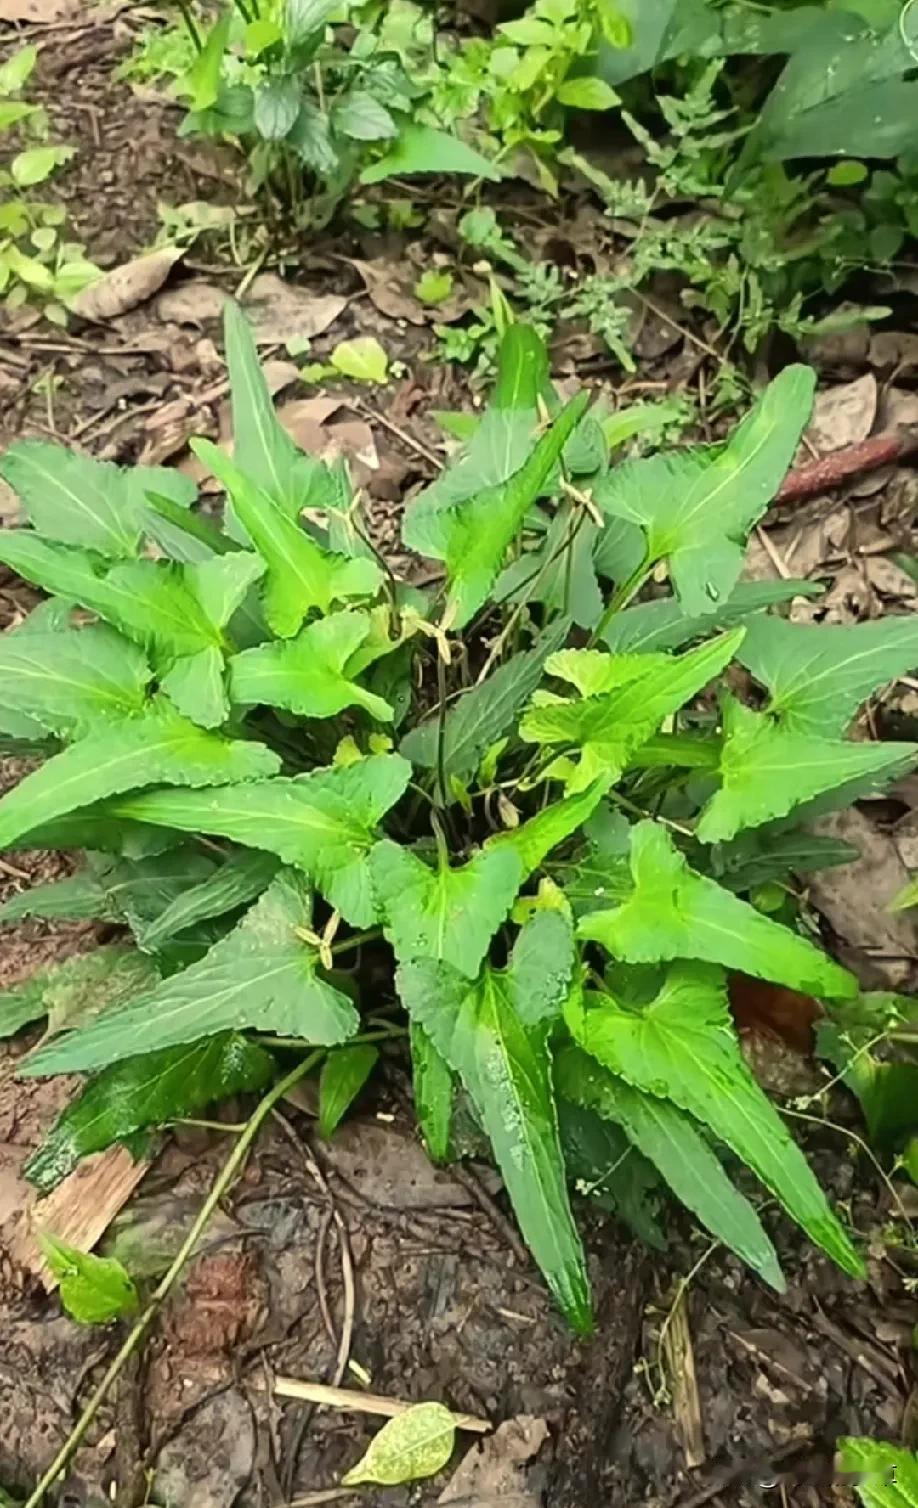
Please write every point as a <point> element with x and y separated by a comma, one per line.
<point>79,1211</point>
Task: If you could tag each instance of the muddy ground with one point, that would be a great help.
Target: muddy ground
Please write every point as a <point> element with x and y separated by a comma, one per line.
<point>354,1262</point>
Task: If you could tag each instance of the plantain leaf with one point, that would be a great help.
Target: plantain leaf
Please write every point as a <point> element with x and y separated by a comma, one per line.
<point>819,675</point>
<point>308,674</point>
<point>152,1090</point>
<point>480,1028</point>
<point>766,769</point>
<point>676,913</point>
<point>263,975</point>
<point>697,508</point>
<point>671,1141</point>
<point>155,746</point>
<point>323,823</point>
<point>300,575</point>
<point>683,1047</point>
<point>484,713</point>
<point>445,914</point>
<point>344,1073</point>
<point>625,699</point>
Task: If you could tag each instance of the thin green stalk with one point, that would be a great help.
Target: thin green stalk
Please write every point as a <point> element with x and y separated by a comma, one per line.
<point>190,25</point>
<point>622,596</point>
<point>166,1284</point>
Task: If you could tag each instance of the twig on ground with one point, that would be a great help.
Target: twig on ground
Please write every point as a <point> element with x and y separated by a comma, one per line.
<point>363,1403</point>
<point>840,465</point>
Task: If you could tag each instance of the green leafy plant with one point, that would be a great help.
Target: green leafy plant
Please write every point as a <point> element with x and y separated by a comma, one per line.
<point>518,795</point>
<point>313,114</point>
<point>35,262</point>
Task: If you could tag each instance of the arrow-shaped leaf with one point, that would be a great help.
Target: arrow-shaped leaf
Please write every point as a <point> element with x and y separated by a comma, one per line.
<point>158,745</point>
<point>300,574</point>
<point>237,882</point>
<point>676,913</point>
<point>483,714</point>
<point>308,674</point>
<point>147,1091</point>
<point>73,498</point>
<point>607,726</point>
<point>480,1029</point>
<point>323,823</point>
<point>820,674</point>
<point>445,914</point>
<point>262,975</point>
<point>766,769</point>
<point>672,1142</point>
<point>696,509</point>
<point>683,1047</point>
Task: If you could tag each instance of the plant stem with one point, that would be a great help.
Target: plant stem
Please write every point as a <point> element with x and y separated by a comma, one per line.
<point>621,597</point>
<point>441,727</point>
<point>190,26</point>
<point>356,939</point>
<point>138,1331</point>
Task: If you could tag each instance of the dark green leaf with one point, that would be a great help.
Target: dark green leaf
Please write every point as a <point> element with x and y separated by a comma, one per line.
<point>73,989</point>
<point>237,882</point>
<point>324,823</point>
<point>152,1090</point>
<point>263,976</point>
<point>432,1081</point>
<point>484,713</point>
<point>344,1073</point>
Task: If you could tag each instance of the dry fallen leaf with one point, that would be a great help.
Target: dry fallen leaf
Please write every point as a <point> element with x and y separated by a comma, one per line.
<point>880,946</point>
<point>193,302</point>
<point>494,1469</point>
<point>279,311</point>
<point>843,415</point>
<point>126,286</point>
<point>389,293</point>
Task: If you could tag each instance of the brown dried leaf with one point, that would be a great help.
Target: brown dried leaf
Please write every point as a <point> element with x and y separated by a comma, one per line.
<point>843,415</point>
<point>126,286</point>
<point>494,1469</point>
<point>280,311</point>
<point>854,898</point>
<point>193,302</point>
<point>38,12</point>
<point>389,292</point>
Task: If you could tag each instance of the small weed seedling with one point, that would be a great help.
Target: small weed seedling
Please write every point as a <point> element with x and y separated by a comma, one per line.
<point>35,263</point>
<point>540,807</point>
